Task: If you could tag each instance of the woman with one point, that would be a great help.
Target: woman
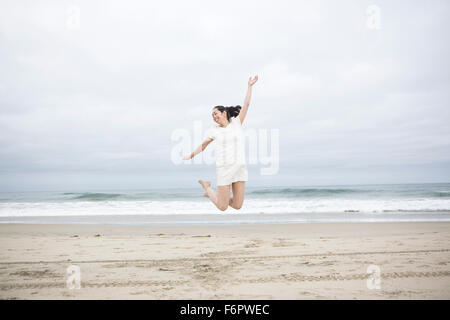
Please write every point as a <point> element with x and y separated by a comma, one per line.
<point>231,168</point>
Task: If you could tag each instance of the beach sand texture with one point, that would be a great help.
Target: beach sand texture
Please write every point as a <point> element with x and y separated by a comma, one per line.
<point>260,261</point>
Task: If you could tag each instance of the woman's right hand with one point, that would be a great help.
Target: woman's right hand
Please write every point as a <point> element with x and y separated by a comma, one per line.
<point>187,158</point>
<point>251,81</point>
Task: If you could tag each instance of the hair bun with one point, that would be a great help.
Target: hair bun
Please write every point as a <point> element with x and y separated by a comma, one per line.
<point>234,111</point>
<point>231,111</point>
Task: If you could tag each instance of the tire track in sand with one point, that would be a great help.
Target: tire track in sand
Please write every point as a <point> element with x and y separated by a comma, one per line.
<point>245,257</point>
<point>289,277</point>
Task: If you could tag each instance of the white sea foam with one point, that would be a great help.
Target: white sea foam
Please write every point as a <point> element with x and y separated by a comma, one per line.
<point>204,206</point>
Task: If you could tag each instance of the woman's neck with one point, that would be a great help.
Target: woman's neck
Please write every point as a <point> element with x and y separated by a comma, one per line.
<point>224,125</point>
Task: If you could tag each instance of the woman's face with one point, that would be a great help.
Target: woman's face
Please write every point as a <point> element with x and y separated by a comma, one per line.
<point>218,116</point>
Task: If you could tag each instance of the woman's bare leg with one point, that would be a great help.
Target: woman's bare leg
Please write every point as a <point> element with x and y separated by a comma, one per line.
<point>210,193</point>
<point>221,198</point>
<point>238,194</point>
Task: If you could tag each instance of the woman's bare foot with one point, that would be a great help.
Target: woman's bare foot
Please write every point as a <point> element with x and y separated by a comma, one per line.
<point>205,184</point>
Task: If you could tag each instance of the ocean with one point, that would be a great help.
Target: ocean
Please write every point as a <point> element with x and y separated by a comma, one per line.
<point>180,206</point>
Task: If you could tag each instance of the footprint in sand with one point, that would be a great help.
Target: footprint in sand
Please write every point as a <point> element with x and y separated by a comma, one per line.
<point>253,243</point>
<point>283,243</point>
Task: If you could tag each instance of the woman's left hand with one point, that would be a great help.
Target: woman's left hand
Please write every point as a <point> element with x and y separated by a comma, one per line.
<point>252,81</point>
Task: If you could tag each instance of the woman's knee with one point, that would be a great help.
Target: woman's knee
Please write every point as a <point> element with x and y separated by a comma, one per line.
<point>238,206</point>
<point>222,207</point>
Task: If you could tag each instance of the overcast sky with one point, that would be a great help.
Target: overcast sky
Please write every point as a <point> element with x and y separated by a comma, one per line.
<point>92,91</point>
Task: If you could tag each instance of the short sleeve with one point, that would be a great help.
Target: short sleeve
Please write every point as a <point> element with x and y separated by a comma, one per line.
<point>236,120</point>
<point>211,133</point>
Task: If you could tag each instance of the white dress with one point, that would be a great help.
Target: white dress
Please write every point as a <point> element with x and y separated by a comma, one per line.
<point>230,154</point>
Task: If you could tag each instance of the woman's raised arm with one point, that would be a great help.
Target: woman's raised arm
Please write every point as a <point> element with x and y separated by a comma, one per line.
<point>248,96</point>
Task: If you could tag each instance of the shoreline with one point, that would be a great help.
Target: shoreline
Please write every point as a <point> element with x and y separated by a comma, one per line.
<point>52,227</point>
<point>252,261</point>
<point>233,217</point>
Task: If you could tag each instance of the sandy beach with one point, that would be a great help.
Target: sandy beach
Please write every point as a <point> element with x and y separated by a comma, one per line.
<point>411,260</point>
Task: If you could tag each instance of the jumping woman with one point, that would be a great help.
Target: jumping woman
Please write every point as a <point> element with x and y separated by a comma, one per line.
<point>231,168</point>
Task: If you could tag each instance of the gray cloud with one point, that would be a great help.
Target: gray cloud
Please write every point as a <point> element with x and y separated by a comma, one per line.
<point>353,105</point>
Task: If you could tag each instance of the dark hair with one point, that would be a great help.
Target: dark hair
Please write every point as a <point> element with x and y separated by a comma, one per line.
<point>231,111</point>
